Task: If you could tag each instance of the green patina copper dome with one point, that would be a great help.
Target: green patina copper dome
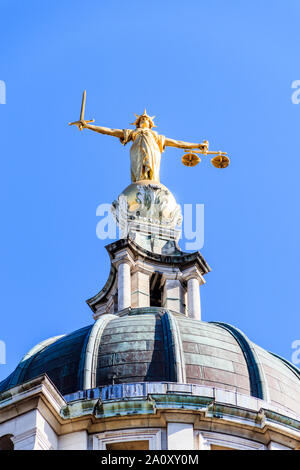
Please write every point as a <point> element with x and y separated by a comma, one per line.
<point>156,345</point>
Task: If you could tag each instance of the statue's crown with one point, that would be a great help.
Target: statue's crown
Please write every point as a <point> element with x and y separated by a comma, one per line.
<point>138,117</point>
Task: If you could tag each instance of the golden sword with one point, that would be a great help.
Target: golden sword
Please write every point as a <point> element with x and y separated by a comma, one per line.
<point>79,123</point>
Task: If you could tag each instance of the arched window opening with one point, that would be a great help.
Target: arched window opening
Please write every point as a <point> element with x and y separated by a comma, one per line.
<point>6,443</point>
<point>156,289</point>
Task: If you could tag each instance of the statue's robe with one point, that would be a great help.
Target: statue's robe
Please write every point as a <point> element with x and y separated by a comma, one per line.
<point>145,153</point>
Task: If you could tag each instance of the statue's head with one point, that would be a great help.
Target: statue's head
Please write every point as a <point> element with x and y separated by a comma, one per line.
<point>143,120</point>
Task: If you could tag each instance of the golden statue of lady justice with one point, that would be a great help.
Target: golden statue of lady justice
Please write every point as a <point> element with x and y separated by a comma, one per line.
<point>148,145</point>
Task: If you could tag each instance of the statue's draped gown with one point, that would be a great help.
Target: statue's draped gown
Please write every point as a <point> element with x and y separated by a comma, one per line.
<point>145,153</point>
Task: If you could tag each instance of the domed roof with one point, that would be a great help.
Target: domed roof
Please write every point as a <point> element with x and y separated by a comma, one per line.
<point>153,344</point>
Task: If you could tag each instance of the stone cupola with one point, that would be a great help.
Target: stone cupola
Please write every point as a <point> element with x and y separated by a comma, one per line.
<point>148,269</point>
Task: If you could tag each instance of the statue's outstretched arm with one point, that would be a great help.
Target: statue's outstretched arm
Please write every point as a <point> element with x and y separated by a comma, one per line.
<point>104,130</point>
<point>184,145</point>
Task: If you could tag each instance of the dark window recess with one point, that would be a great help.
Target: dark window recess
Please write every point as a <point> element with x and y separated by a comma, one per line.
<point>128,445</point>
<point>115,299</point>
<point>6,443</point>
<point>156,290</point>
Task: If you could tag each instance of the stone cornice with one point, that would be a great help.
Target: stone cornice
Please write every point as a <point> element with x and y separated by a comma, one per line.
<point>41,384</point>
<point>39,393</point>
<point>214,402</point>
<point>101,296</point>
<point>204,406</point>
<point>123,256</point>
<point>193,273</point>
<point>183,259</point>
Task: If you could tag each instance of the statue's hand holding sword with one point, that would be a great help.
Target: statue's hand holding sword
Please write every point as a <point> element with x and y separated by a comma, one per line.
<point>80,124</point>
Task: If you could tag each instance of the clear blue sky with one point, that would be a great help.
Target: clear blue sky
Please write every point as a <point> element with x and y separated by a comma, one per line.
<point>207,69</point>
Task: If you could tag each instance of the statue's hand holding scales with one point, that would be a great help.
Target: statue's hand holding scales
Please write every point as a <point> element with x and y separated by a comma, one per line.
<point>148,145</point>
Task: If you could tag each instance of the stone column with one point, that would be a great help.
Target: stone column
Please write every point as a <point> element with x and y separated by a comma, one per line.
<point>194,306</point>
<point>76,440</point>
<point>140,295</point>
<point>124,285</point>
<point>194,279</point>
<point>180,436</point>
<point>33,432</point>
<point>173,294</point>
<point>123,262</point>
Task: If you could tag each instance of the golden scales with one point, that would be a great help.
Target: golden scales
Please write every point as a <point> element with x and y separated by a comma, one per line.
<point>191,158</point>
